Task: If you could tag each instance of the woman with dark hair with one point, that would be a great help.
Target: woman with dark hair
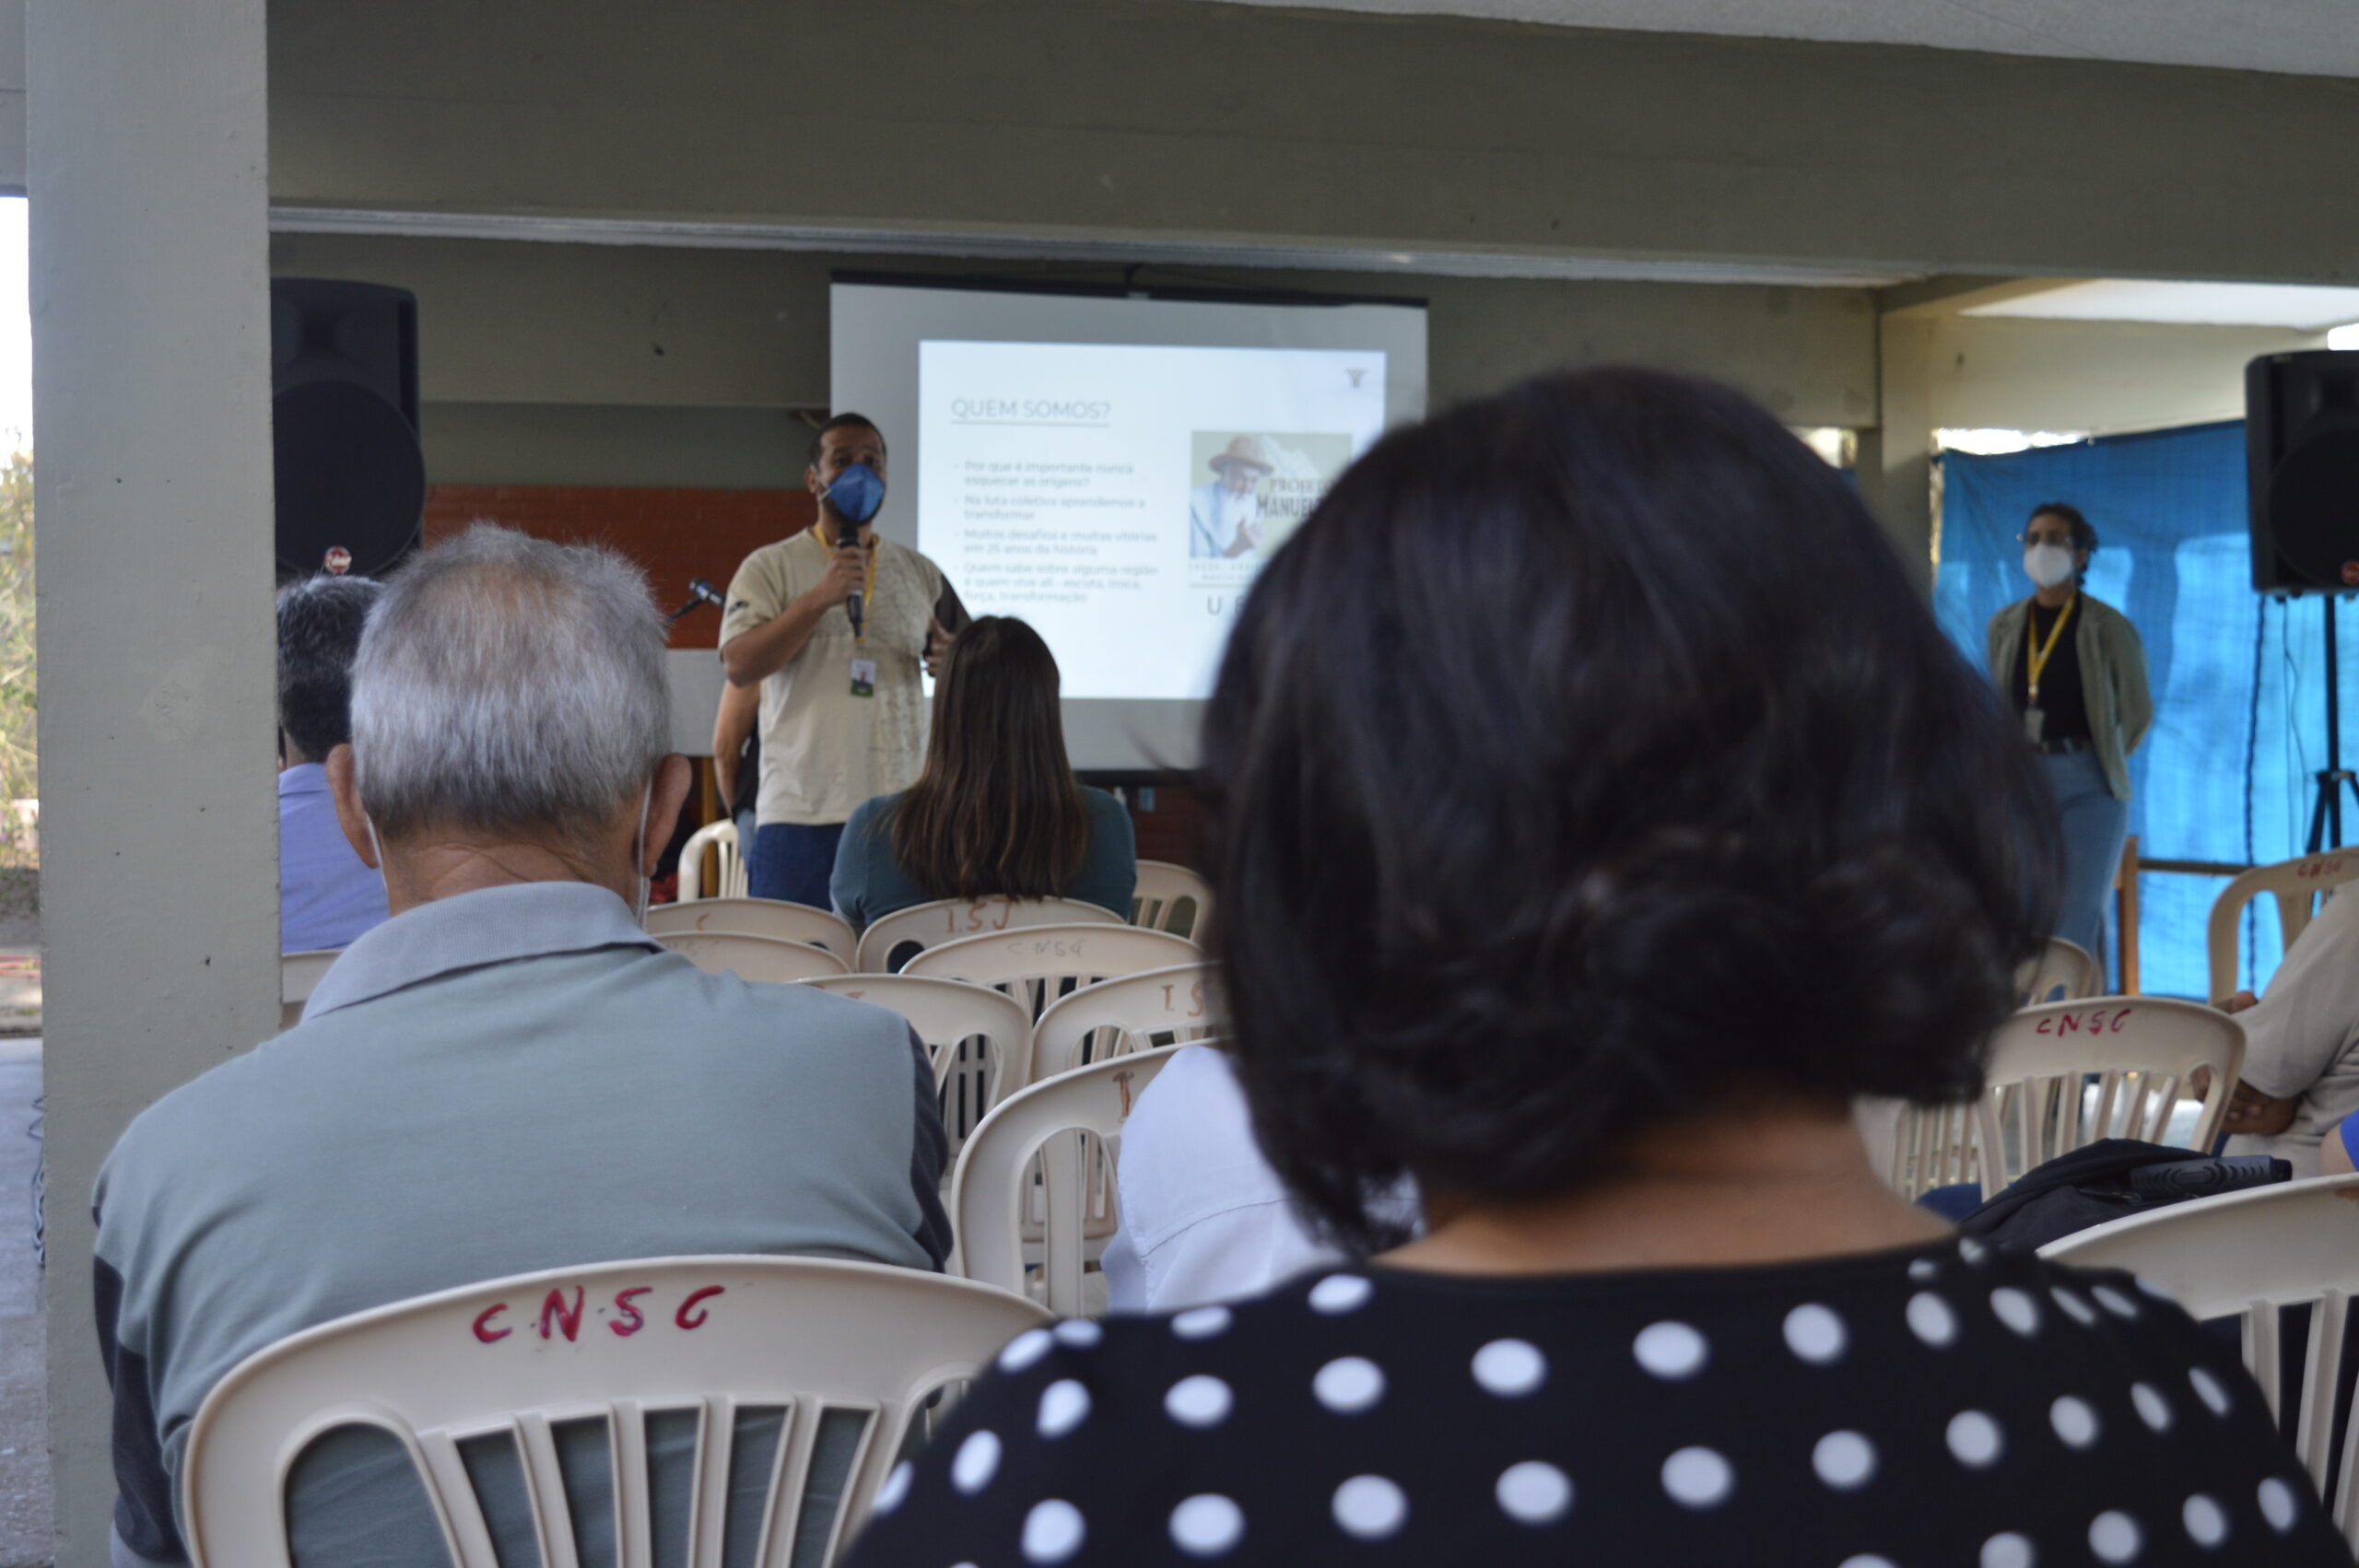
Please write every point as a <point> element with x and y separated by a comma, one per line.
<point>1598,811</point>
<point>2074,672</point>
<point>997,811</point>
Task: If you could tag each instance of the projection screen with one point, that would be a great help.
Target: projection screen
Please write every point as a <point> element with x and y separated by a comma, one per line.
<point>1115,467</point>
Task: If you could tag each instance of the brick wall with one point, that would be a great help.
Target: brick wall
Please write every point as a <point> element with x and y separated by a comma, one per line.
<point>1172,829</point>
<point>672,534</point>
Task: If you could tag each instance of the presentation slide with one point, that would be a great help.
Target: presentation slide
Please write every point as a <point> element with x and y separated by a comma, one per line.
<point>1121,497</point>
<point>1116,467</point>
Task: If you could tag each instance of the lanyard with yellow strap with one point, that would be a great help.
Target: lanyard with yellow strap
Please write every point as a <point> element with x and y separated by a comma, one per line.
<point>2035,657</point>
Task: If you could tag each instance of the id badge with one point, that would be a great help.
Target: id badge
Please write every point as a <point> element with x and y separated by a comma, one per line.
<point>863,677</point>
<point>2032,721</point>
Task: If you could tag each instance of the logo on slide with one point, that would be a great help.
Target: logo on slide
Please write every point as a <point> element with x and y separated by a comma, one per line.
<point>1250,489</point>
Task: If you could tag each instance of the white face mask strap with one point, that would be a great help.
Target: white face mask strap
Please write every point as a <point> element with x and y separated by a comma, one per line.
<point>377,848</point>
<point>638,851</point>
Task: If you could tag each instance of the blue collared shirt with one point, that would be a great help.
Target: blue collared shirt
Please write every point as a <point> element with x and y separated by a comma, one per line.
<point>510,1080</point>
<point>327,895</point>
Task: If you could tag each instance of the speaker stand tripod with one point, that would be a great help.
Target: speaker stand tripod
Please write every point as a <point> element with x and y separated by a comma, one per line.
<point>2326,808</point>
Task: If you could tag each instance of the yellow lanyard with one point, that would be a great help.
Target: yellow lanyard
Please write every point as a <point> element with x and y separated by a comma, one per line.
<point>2036,659</point>
<point>867,593</point>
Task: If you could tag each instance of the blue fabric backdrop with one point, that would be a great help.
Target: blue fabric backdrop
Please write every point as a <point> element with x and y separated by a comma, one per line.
<point>2238,680</point>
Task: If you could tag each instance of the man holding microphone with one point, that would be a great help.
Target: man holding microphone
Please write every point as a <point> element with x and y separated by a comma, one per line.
<point>836,627</point>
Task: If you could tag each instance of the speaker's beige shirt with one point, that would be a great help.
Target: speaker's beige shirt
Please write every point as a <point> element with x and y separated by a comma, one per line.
<point>824,750</point>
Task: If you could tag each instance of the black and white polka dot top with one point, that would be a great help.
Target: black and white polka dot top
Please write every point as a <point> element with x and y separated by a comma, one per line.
<point>1950,1405</point>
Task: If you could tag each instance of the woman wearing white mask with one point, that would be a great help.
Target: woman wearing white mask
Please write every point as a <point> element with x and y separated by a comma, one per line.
<point>2075,671</point>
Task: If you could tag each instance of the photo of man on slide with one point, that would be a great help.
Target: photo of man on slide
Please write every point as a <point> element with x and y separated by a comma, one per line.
<point>1225,517</point>
<point>1266,482</point>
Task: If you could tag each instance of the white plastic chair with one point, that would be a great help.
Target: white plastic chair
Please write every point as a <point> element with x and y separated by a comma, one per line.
<point>753,958</point>
<point>2296,884</point>
<point>2064,971</point>
<point>2247,1255</point>
<point>994,1178</point>
<point>1172,898</point>
<point>1122,1016</point>
<point>948,1016</point>
<point>2034,1105</point>
<point>925,926</point>
<point>772,918</point>
<point>1040,964</point>
<point>298,976</point>
<point>721,838</point>
<point>510,1359</point>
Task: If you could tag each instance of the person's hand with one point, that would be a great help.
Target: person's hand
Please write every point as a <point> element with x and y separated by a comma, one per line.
<point>2254,1114</point>
<point>847,574</point>
<point>2199,1082</point>
<point>1249,538</point>
<point>937,648</point>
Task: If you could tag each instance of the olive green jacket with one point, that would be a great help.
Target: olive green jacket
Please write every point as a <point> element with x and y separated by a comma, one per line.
<point>2113,678</point>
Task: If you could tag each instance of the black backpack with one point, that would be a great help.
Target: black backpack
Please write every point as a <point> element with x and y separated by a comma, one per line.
<point>2109,1179</point>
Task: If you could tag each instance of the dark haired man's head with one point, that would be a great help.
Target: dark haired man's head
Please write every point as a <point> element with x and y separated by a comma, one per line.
<point>319,631</point>
<point>835,446</point>
<point>1663,791</point>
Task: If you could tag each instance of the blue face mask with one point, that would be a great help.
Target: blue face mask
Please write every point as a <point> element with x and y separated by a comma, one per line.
<point>856,493</point>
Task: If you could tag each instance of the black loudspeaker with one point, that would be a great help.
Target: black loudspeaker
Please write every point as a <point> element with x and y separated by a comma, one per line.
<point>350,471</point>
<point>2301,465</point>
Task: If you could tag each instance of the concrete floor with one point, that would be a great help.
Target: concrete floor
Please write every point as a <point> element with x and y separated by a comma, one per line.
<point>26,1539</point>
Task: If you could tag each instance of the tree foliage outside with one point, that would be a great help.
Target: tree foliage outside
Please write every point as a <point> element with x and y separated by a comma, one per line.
<point>20,768</point>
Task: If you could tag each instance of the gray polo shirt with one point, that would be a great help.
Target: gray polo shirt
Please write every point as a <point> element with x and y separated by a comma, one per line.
<point>510,1079</point>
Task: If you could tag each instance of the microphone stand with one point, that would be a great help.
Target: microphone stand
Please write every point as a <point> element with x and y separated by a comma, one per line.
<point>2326,807</point>
<point>704,595</point>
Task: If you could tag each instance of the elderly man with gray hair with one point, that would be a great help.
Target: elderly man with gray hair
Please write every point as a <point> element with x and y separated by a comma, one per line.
<point>508,1075</point>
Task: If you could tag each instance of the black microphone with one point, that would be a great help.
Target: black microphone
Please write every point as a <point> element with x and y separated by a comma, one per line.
<point>848,534</point>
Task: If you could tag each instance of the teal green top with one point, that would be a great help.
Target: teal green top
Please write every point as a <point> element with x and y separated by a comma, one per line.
<point>868,885</point>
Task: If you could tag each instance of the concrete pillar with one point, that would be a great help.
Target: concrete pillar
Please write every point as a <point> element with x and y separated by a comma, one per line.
<point>1895,464</point>
<point>151,393</point>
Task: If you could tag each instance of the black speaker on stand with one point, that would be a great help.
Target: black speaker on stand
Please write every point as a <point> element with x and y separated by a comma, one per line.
<point>2302,467</point>
<point>349,468</point>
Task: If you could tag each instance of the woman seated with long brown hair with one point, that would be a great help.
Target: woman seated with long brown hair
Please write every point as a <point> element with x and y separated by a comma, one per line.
<point>997,810</point>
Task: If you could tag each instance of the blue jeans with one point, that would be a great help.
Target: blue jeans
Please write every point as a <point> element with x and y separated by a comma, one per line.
<point>793,860</point>
<point>2095,826</point>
